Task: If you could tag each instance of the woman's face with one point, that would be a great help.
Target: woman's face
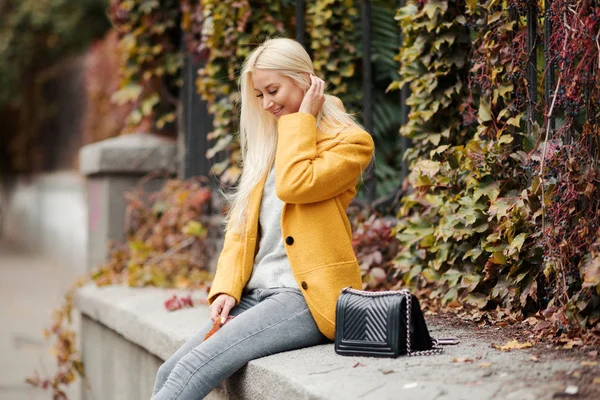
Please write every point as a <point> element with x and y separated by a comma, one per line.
<point>277,93</point>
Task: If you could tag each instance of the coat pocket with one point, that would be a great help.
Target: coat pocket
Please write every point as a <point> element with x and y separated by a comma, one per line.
<point>321,286</point>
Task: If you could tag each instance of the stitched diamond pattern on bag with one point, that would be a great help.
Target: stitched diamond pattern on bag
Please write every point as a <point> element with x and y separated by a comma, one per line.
<point>365,323</point>
<point>376,321</point>
<point>355,318</point>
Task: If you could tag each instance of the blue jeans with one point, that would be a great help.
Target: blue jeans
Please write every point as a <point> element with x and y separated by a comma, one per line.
<point>267,321</point>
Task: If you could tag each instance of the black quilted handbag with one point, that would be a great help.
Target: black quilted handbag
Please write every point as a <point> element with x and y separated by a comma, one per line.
<point>382,324</point>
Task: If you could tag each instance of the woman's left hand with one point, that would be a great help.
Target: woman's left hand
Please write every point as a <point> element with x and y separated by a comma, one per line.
<point>314,97</point>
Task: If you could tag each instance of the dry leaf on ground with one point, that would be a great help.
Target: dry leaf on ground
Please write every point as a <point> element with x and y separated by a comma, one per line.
<point>512,345</point>
<point>462,360</point>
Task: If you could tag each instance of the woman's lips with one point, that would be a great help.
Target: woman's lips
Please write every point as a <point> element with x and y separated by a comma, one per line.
<point>278,111</point>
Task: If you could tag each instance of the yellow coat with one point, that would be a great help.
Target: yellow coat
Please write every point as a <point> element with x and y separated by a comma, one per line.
<point>315,177</point>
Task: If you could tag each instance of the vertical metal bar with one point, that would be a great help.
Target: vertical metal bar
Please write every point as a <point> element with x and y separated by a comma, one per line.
<point>404,110</point>
<point>371,183</point>
<point>549,76</point>
<point>300,23</point>
<point>187,169</point>
<point>197,124</point>
<point>531,65</point>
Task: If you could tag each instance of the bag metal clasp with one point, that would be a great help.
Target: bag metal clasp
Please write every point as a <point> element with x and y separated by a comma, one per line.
<point>447,341</point>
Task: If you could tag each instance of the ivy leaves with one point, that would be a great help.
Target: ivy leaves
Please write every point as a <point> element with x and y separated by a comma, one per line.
<point>466,230</point>
<point>151,60</point>
<point>474,231</point>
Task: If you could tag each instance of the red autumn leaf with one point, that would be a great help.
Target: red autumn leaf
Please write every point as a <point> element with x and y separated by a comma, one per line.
<point>176,303</point>
<point>217,324</point>
<point>214,329</point>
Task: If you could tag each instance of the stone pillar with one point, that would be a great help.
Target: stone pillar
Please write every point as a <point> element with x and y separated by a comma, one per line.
<point>114,166</point>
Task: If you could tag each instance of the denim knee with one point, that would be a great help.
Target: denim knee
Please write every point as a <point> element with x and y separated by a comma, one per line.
<point>164,371</point>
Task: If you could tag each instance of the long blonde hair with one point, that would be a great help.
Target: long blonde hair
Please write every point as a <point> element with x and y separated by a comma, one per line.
<point>258,128</point>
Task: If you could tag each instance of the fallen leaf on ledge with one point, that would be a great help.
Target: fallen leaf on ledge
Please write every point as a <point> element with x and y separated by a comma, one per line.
<point>589,363</point>
<point>462,360</point>
<point>513,345</point>
<point>572,343</point>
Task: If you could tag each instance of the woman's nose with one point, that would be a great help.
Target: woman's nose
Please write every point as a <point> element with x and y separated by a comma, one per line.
<point>267,103</point>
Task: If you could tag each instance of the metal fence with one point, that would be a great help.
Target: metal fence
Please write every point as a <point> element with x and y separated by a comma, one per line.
<point>198,123</point>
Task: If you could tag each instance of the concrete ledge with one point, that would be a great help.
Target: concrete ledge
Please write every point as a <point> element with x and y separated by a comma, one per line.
<point>137,153</point>
<point>139,316</point>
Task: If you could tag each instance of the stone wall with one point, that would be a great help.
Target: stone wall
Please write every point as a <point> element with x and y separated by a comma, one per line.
<point>48,213</point>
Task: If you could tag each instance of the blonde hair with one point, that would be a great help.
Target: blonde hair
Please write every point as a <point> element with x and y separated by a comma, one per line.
<point>258,128</point>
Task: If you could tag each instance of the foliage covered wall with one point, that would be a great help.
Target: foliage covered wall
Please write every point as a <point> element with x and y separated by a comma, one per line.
<point>502,219</point>
<point>222,33</point>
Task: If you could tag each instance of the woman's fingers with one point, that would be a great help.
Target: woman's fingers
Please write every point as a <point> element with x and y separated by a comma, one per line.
<point>227,306</point>
<point>314,97</point>
<point>313,85</point>
<point>215,308</point>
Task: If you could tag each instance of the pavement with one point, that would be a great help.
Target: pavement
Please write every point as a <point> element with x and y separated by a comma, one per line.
<point>30,286</point>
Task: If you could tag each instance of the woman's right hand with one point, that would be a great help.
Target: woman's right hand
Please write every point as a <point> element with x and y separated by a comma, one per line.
<point>220,307</point>
<point>314,97</point>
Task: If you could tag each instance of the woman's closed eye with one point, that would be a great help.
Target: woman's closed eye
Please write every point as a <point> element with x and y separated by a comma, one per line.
<point>271,93</point>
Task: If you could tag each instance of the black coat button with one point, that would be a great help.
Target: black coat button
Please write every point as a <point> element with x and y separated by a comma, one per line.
<point>304,285</point>
<point>289,240</point>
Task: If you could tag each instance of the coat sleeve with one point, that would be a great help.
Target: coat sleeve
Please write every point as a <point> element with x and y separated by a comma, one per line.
<point>302,175</point>
<point>228,268</point>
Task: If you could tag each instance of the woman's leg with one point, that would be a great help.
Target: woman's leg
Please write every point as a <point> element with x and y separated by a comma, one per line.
<point>247,301</point>
<point>280,322</point>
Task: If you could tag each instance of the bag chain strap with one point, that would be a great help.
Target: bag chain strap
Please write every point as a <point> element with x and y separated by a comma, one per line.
<point>436,349</point>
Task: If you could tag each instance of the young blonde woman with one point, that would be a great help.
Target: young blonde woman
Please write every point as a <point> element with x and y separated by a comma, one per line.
<point>288,243</point>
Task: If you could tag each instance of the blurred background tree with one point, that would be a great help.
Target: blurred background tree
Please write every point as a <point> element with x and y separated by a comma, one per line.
<point>34,35</point>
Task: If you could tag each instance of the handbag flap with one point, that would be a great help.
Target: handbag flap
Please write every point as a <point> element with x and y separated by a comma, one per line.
<point>368,324</point>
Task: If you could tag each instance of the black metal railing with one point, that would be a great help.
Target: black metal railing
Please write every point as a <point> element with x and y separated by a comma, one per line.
<point>198,123</point>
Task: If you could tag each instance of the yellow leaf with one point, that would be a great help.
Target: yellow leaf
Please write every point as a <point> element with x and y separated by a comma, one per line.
<point>498,257</point>
<point>515,121</point>
<point>517,242</point>
<point>428,167</point>
<point>485,112</point>
<point>589,363</point>
<point>512,345</point>
<point>194,228</point>
<point>462,360</point>
<point>505,139</point>
<point>182,196</point>
<point>471,6</point>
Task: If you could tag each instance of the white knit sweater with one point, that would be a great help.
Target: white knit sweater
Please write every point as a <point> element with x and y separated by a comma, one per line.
<point>271,264</point>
